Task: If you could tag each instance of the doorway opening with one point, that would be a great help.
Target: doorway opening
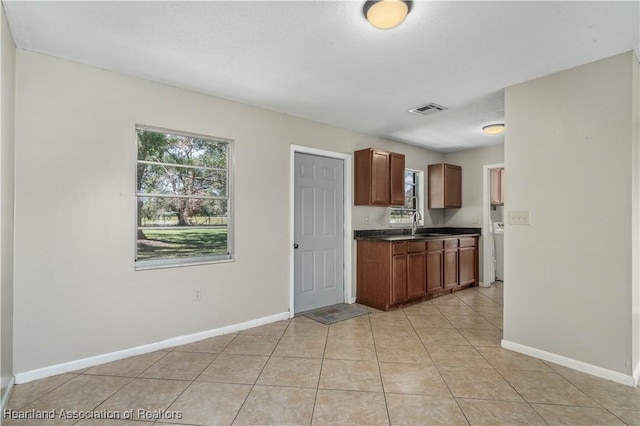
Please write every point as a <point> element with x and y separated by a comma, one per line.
<point>319,258</point>
<point>489,216</point>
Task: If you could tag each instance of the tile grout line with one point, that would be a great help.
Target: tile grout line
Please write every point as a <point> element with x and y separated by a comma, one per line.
<point>44,394</point>
<point>384,393</point>
<point>90,375</point>
<point>479,353</point>
<point>195,378</point>
<point>587,394</point>
<point>112,394</point>
<point>513,387</point>
<point>496,370</point>
<point>315,398</point>
<point>185,389</point>
<point>440,373</point>
<point>289,321</point>
<point>530,403</point>
<point>375,349</point>
<point>152,364</point>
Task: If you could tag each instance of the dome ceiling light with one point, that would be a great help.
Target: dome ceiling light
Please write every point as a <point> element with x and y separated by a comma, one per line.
<point>493,129</point>
<point>385,14</point>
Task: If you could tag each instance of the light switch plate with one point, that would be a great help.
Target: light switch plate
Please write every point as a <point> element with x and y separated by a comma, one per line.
<point>519,218</point>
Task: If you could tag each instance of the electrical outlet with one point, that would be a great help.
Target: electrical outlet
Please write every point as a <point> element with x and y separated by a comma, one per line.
<point>474,219</point>
<point>366,220</point>
<point>519,218</point>
<point>197,295</point>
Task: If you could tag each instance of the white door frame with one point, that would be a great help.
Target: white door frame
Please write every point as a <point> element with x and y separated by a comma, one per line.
<point>348,238</point>
<point>486,215</point>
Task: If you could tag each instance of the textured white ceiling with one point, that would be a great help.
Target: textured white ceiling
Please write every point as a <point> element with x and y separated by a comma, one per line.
<point>322,61</point>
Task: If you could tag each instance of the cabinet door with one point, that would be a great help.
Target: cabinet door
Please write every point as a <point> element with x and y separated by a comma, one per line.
<point>434,270</point>
<point>445,186</point>
<point>396,179</point>
<point>435,185</point>
<point>467,263</point>
<point>452,186</point>
<point>399,277</point>
<point>416,274</point>
<point>380,177</point>
<point>501,186</point>
<point>495,186</point>
<point>450,268</point>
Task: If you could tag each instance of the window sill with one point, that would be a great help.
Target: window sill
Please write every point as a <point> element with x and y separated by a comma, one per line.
<point>404,225</point>
<point>164,264</point>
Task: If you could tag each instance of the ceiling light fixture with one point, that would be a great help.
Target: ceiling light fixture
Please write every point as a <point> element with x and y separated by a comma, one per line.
<point>493,129</point>
<point>386,14</point>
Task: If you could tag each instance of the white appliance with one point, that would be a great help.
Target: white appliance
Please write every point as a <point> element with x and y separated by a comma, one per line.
<point>498,244</point>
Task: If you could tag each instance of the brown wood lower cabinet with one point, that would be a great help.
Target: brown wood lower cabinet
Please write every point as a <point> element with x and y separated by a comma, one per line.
<point>393,273</point>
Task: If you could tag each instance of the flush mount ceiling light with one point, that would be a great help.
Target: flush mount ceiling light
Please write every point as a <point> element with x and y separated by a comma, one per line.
<point>386,14</point>
<point>493,129</point>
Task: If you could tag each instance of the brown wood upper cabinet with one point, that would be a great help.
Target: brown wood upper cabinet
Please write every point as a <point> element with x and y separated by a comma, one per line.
<point>497,187</point>
<point>445,186</point>
<point>379,178</point>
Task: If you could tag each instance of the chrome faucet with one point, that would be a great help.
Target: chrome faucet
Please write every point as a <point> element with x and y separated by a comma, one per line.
<point>414,221</point>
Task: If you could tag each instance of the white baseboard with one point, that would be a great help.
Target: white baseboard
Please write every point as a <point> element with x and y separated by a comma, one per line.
<point>7,394</point>
<point>255,323</point>
<point>636,374</point>
<point>70,366</point>
<point>571,363</point>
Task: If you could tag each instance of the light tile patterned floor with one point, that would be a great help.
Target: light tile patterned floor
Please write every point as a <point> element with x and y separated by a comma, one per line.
<point>437,362</point>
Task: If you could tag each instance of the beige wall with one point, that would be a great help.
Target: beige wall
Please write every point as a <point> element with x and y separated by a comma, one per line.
<point>75,154</point>
<point>568,151</point>
<point>7,106</point>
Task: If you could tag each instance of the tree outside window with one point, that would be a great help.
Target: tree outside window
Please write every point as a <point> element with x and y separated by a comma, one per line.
<point>183,202</point>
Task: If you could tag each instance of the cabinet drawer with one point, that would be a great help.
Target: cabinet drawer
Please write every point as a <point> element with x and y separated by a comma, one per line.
<point>451,243</point>
<point>467,242</point>
<point>399,248</point>
<point>434,245</point>
<point>415,246</point>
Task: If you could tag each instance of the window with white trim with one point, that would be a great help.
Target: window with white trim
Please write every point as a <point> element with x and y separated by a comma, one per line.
<point>413,198</point>
<point>183,198</point>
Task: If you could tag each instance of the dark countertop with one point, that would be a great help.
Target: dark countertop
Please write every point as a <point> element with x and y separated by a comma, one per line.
<point>404,234</point>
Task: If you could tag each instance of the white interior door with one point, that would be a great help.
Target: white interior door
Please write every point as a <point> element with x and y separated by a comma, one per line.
<point>318,232</point>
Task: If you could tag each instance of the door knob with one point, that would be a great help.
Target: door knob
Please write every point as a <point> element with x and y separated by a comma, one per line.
<point>295,245</point>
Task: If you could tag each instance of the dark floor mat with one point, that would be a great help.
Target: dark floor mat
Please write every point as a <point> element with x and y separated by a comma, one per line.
<point>336,313</point>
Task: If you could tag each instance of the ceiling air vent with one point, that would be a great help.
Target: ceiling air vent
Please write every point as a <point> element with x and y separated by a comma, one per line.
<point>427,109</point>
